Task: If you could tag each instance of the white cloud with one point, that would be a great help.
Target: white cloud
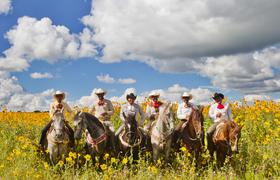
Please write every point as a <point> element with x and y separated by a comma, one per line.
<point>254,97</point>
<point>38,75</point>
<point>106,78</point>
<point>33,39</point>
<point>5,6</point>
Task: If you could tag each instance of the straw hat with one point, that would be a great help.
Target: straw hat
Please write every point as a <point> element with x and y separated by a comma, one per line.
<point>100,91</point>
<point>154,94</point>
<point>59,93</point>
<point>186,94</point>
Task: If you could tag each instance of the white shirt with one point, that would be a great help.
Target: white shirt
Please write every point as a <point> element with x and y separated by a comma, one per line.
<point>53,107</point>
<point>151,110</point>
<point>184,111</point>
<point>107,107</point>
<point>226,112</point>
<point>133,109</point>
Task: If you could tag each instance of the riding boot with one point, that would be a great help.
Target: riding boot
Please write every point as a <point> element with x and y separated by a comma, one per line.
<point>44,134</point>
<point>71,135</point>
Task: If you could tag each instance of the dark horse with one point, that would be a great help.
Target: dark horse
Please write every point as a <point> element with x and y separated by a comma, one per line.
<point>225,140</point>
<point>132,139</point>
<point>192,133</point>
<point>97,136</point>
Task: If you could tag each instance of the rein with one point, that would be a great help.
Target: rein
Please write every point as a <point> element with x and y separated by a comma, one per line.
<point>131,145</point>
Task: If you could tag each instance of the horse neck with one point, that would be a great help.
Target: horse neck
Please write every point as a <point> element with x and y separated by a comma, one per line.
<point>194,123</point>
<point>224,132</point>
<point>93,127</point>
<point>161,125</point>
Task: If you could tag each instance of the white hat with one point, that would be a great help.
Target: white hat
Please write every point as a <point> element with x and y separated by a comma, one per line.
<point>100,91</point>
<point>153,93</point>
<point>59,93</point>
<point>185,94</point>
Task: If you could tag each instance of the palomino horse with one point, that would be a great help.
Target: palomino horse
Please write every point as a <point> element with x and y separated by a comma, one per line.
<point>58,138</point>
<point>132,139</point>
<point>97,138</point>
<point>161,132</point>
<point>225,140</point>
<point>192,132</point>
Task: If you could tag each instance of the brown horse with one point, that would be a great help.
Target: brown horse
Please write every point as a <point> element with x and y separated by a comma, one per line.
<point>225,140</point>
<point>192,133</point>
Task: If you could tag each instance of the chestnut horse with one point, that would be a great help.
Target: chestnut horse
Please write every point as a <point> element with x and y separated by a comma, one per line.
<point>192,133</point>
<point>225,140</point>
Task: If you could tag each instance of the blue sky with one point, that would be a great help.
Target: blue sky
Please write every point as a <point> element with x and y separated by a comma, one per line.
<point>145,47</point>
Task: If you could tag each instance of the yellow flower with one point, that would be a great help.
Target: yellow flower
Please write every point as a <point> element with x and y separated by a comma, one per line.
<point>113,160</point>
<point>73,155</point>
<point>46,165</point>
<point>103,167</point>
<point>183,149</point>
<point>60,163</point>
<point>87,157</point>
<point>69,159</point>
<point>106,156</point>
<point>153,169</point>
<point>124,161</point>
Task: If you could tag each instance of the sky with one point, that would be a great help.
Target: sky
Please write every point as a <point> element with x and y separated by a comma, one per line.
<point>169,46</point>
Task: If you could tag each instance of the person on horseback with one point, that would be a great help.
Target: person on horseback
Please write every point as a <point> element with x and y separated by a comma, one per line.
<point>218,111</point>
<point>153,108</point>
<point>57,105</point>
<point>131,108</point>
<point>103,109</point>
<point>184,111</point>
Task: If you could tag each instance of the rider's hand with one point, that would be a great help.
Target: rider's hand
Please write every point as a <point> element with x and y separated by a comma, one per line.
<point>218,115</point>
<point>104,114</point>
<point>59,106</point>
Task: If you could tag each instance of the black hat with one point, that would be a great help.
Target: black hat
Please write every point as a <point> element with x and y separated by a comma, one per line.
<point>131,95</point>
<point>218,95</point>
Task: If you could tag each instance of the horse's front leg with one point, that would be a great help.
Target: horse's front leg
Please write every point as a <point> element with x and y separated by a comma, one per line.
<point>167,150</point>
<point>155,153</point>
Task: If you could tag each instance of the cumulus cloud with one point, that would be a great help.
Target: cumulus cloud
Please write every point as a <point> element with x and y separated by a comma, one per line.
<point>5,6</point>
<point>254,97</point>
<point>106,78</point>
<point>180,36</point>
<point>33,39</point>
<point>38,75</point>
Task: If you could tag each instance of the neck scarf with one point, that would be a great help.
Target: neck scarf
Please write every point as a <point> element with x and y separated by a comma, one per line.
<point>220,106</point>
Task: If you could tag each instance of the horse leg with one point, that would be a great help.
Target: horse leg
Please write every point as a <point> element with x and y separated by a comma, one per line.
<point>155,153</point>
<point>167,150</point>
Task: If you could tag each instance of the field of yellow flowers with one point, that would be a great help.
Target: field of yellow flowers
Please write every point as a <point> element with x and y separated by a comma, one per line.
<point>258,156</point>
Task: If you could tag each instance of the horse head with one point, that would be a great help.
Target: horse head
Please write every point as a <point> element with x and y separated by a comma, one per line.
<point>165,116</point>
<point>58,123</point>
<point>79,124</point>
<point>196,121</point>
<point>234,135</point>
<point>130,127</point>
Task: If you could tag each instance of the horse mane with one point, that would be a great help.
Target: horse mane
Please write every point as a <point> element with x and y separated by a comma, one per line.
<point>94,125</point>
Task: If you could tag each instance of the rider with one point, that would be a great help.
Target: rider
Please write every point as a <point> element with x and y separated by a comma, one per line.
<point>153,108</point>
<point>103,109</point>
<point>131,108</point>
<point>184,111</point>
<point>57,105</point>
<point>218,111</point>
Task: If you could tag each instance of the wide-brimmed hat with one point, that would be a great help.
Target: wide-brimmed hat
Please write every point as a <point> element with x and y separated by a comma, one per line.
<point>100,91</point>
<point>154,94</point>
<point>59,93</point>
<point>186,94</point>
<point>131,95</point>
<point>218,95</point>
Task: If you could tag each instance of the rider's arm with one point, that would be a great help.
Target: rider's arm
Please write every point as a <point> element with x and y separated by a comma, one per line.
<point>142,115</point>
<point>212,113</point>
<point>121,113</point>
<point>148,111</point>
<point>111,108</point>
<point>52,110</point>
<point>180,114</point>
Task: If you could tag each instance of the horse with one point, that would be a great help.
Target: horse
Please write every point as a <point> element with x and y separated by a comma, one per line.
<point>97,136</point>
<point>132,139</point>
<point>192,133</point>
<point>161,133</point>
<point>225,140</point>
<point>58,138</point>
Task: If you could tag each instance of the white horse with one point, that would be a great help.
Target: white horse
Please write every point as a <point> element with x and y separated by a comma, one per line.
<point>58,138</point>
<point>161,132</point>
